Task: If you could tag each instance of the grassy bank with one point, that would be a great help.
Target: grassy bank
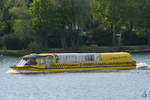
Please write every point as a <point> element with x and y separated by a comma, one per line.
<point>13,52</point>
<point>133,49</point>
<point>136,49</point>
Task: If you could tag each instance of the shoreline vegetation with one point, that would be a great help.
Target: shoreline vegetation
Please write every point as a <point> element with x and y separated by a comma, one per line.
<point>131,49</point>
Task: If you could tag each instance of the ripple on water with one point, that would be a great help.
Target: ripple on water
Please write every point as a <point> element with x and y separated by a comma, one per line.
<point>120,85</point>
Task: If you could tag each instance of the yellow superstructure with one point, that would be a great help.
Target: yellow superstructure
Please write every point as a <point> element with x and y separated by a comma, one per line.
<point>62,62</point>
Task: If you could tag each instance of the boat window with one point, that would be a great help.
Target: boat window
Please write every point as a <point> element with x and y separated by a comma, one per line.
<point>22,62</point>
<point>28,62</point>
<point>43,60</point>
<point>57,59</point>
<point>98,58</point>
<point>76,58</point>
<point>89,58</point>
<point>31,61</point>
<point>38,60</point>
<point>48,61</point>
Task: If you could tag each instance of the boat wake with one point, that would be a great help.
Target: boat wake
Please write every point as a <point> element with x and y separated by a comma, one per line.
<point>12,72</point>
<point>25,72</point>
<point>142,66</point>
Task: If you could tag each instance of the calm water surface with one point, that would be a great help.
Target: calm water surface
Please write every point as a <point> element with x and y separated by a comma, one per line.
<point>122,85</point>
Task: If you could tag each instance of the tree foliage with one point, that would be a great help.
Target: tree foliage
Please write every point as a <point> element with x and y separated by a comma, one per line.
<point>62,23</point>
<point>130,14</point>
<point>5,17</point>
<point>53,17</point>
<point>22,27</point>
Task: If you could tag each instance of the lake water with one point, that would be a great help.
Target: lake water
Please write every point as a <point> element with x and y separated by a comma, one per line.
<point>122,85</point>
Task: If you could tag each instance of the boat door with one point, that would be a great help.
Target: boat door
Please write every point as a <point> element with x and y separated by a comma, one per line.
<point>48,61</point>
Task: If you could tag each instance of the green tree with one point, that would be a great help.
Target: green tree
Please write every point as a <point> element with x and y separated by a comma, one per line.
<point>21,21</point>
<point>135,17</point>
<point>109,13</point>
<point>5,17</point>
<point>43,19</point>
<point>62,17</point>
<point>74,16</point>
<point>142,22</point>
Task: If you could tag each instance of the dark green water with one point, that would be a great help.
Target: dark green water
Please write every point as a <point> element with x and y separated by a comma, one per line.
<point>122,85</point>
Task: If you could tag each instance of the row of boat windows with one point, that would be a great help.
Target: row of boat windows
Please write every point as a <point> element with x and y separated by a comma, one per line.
<point>61,59</point>
<point>77,58</point>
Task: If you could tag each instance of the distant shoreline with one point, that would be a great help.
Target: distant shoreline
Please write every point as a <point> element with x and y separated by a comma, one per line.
<point>131,49</point>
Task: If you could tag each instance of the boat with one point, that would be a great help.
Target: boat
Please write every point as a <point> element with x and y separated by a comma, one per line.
<point>66,62</point>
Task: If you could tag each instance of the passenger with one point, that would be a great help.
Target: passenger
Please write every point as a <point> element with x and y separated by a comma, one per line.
<point>31,62</point>
<point>43,61</point>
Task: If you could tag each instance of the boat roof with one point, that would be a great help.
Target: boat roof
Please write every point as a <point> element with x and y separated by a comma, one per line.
<point>75,53</point>
<point>84,53</point>
<point>33,56</point>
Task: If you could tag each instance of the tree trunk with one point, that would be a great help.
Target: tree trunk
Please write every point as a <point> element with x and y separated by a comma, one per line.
<point>46,41</point>
<point>72,36</point>
<point>149,41</point>
<point>63,41</point>
<point>114,36</point>
<point>78,38</point>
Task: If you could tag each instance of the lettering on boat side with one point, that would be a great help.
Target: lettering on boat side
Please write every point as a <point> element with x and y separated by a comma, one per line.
<point>120,57</point>
<point>92,64</point>
<point>103,63</point>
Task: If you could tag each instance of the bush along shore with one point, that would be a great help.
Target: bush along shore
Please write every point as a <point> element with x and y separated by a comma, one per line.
<point>131,49</point>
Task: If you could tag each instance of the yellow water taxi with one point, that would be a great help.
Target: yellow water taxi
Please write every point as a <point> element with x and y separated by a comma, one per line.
<point>64,62</point>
